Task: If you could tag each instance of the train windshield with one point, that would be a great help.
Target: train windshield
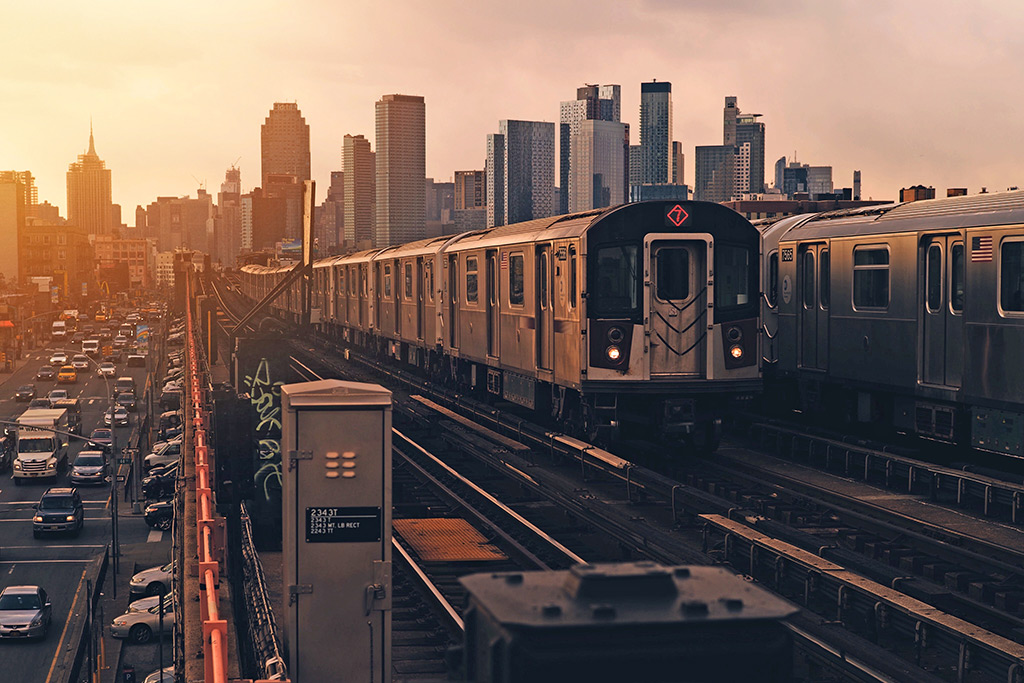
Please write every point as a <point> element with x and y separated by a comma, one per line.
<point>732,276</point>
<point>616,279</point>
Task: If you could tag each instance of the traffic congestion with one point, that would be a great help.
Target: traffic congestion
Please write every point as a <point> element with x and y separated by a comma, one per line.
<point>91,434</point>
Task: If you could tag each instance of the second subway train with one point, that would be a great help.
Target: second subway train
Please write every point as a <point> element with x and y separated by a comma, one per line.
<point>643,315</point>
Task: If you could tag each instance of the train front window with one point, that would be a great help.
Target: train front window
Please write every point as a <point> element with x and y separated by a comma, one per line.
<point>616,279</point>
<point>1011,276</point>
<point>673,273</point>
<point>732,276</point>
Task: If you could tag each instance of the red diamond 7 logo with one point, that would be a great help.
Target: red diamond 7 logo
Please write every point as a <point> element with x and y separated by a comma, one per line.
<point>677,214</point>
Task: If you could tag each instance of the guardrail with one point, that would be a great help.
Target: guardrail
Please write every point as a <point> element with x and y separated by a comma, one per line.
<point>262,624</point>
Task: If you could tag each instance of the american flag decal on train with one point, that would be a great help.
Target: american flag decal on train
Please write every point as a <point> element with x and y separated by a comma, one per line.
<point>504,260</point>
<point>981,249</point>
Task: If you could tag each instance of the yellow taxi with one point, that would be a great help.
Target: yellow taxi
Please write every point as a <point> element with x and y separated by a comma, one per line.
<point>67,375</point>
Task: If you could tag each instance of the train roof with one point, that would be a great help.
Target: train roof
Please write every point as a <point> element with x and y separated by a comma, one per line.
<point>948,213</point>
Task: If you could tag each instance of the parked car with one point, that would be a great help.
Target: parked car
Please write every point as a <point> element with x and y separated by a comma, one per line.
<point>45,373</point>
<point>24,612</point>
<point>163,454</point>
<point>152,581</point>
<point>139,627</point>
<point>60,509</point>
<point>26,392</point>
<point>116,415</point>
<point>169,433</point>
<point>164,675</point>
<point>160,515</point>
<point>56,395</point>
<point>58,358</point>
<point>170,399</point>
<point>102,437</point>
<point>67,375</point>
<point>127,401</point>
<point>90,467</point>
<point>161,481</point>
<point>80,361</point>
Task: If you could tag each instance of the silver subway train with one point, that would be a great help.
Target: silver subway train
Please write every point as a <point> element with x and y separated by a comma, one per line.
<point>643,315</point>
<point>905,315</point>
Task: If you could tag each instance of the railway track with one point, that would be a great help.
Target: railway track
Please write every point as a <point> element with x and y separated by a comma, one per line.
<point>722,514</point>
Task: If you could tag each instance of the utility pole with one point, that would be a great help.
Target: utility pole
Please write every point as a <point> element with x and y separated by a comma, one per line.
<point>308,204</point>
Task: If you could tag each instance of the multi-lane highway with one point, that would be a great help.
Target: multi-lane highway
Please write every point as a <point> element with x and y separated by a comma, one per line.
<point>60,563</point>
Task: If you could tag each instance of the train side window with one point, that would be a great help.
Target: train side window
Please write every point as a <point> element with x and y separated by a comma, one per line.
<point>773,279</point>
<point>673,274</point>
<point>573,277</point>
<point>428,279</point>
<point>387,280</point>
<point>516,264</point>
<point>808,279</point>
<point>472,294</point>
<point>933,278</point>
<point>956,277</point>
<point>362,274</point>
<point>871,277</point>
<point>824,278</point>
<point>408,281</point>
<point>341,281</point>
<point>1011,276</point>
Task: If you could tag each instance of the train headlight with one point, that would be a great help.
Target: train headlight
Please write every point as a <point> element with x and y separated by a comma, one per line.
<point>613,352</point>
<point>734,335</point>
<point>736,351</point>
<point>616,335</point>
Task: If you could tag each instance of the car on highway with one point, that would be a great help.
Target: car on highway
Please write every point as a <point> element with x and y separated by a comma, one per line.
<point>60,509</point>
<point>106,334</point>
<point>58,358</point>
<point>164,453</point>
<point>140,627</point>
<point>90,467</point>
<point>67,375</point>
<point>45,373</point>
<point>160,515</point>
<point>25,612</point>
<point>114,356</point>
<point>136,359</point>
<point>80,361</point>
<point>120,341</point>
<point>118,415</point>
<point>102,437</point>
<point>106,369</point>
<point>41,402</point>
<point>26,392</point>
<point>152,581</point>
<point>127,401</point>
<point>56,395</point>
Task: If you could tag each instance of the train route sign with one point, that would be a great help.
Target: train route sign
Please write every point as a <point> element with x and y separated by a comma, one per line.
<point>343,525</point>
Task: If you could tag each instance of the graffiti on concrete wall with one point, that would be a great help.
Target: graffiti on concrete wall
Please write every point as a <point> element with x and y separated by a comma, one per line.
<point>265,398</point>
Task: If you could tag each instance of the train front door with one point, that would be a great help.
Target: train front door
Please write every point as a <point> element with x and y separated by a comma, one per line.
<point>679,314</point>
<point>814,291</point>
<point>942,305</point>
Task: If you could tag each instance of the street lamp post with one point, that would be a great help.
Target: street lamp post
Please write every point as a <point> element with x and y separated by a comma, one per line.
<point>115,549</point>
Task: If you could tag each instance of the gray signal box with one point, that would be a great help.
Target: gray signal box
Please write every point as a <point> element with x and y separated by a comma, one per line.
<point>336,516</point>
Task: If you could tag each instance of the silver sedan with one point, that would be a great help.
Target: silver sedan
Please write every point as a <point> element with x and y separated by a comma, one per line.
<point>24,612</point>
<point>140,627</point>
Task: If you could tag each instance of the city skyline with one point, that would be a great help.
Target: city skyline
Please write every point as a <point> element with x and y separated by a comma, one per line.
<point>867,99</point>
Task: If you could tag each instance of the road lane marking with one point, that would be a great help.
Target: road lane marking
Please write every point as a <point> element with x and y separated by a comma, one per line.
<point>155,536</point>
<point>45,562</point>
<point>63,633</point>
<point>60,547</point>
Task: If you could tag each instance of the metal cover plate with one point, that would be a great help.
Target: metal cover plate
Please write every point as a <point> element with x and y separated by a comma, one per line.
<point>443,539</point>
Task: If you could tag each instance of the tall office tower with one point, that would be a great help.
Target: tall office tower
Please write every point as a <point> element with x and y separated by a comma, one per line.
<point>401,168</point>
<point>656,132</point>
<point>359,165</point>
<point>14,198</point>
<point>329,228</point>
<point>89,204</point>
<point>730,112</point>
<point>593,102</point>
<point>229,218</point>
<point>856,185</point>
<point>599,165</point>
<point>284,143</point>
<point>780,174</point>
<point>520,172</point>
<point>741,168</point>
<point>819,180</point>
<point>746,134</point>
<point>678,174</point>
<point>470,190</point>
<point>715,173</point>
<point>636,171</point>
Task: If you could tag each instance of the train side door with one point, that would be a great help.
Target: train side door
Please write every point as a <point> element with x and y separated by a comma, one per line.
<point>453,301</point>
<point>544,316</point>
<point>942,305</point>
<point>421,301</point>
<point>814,285</point>
<point>493,329</point>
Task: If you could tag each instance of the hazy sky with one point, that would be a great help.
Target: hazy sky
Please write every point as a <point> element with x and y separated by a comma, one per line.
<point>923,91</point>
